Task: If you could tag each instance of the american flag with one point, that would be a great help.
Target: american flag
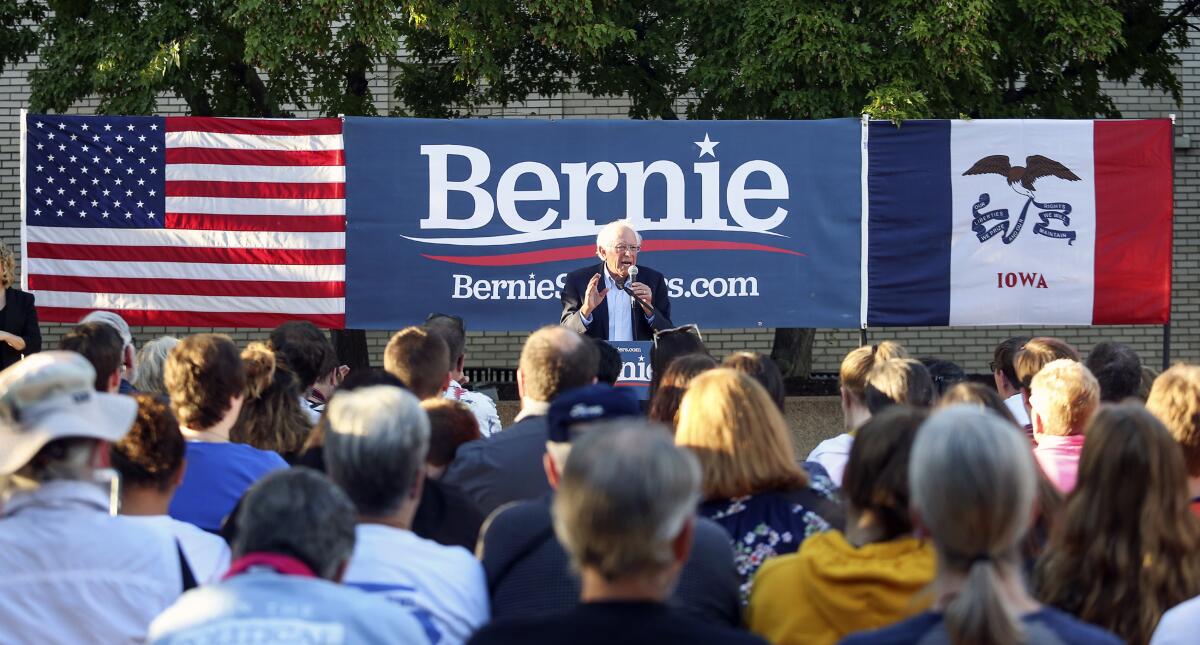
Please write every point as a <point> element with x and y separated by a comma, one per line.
<point>185,221</point>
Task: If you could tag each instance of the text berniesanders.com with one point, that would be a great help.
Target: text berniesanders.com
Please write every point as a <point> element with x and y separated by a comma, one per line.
<point>533,288</point>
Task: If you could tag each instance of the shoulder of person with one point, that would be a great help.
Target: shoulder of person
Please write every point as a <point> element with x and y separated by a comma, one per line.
<point>1070,629</point>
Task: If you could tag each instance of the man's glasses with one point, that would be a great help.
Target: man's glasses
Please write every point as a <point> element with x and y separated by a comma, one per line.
<point>625,248</point>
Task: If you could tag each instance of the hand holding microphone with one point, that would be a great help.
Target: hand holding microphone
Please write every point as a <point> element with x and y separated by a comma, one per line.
<point>640,292</point>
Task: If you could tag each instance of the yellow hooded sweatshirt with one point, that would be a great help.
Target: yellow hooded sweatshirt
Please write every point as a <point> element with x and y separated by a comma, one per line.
<point>831,589</point>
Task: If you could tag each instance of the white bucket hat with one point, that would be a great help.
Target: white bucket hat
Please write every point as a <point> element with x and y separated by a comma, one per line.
<point>51,395</point>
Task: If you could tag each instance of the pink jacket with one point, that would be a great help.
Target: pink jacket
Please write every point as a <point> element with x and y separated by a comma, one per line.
<point>1059,458</point>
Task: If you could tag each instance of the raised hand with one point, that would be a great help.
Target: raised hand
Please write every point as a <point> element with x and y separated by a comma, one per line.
<point>593,297</point>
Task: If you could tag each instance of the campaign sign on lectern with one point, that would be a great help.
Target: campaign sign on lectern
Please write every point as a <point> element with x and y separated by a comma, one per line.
<point>635,366</point>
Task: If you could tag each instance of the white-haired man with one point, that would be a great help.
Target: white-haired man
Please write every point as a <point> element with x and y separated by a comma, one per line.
<point>593,302</point>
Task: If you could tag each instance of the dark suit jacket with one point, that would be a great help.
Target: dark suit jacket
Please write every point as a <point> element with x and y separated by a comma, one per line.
<point>576,286</point>
<point>503,468</point>
<point>19,317</point>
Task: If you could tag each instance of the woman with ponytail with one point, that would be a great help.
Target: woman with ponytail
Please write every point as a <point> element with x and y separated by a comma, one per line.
<point>973,484</point>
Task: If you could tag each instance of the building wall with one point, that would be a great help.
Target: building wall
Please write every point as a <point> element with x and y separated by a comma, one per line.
<point>969,347</point>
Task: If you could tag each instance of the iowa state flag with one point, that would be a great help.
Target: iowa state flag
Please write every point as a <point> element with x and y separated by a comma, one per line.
<point>1018,222</point>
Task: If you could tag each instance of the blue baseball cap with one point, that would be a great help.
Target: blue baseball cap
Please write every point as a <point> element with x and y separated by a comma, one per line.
<point>588,404</point>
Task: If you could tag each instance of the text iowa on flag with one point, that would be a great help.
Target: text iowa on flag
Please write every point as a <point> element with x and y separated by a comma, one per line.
<point>185,221</point>
<point>1019,222</point>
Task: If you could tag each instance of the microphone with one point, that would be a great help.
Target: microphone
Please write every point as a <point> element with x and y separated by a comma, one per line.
<point>628,287</point>
<point>633,271</point>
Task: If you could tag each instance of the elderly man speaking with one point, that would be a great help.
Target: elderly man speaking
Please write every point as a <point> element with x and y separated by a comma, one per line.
<point>594,302</point>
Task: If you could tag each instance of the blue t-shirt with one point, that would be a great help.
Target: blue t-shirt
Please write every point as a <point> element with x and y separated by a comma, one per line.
<point>1046,626</point>
<point>217,476</point>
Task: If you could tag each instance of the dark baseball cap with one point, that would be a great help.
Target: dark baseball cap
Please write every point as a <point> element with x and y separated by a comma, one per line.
<point>587,404</point>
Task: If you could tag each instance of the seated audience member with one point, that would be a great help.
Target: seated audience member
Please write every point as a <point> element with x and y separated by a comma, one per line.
<point>752,486</point>
<point>1118,369</point>
<point>980,396</point>
<point>670,344</point>
<point>452,331</point>
<point>101,346</point>
<point>762,369</point>
<point>19,332</point>
<point>1065,396</point>
<point>150,360</point>
<point>852,375</point>
<point>664,405</point>
<point>297,533</point>
<point>451,424</point>
<point>1008,385</point>
<point>307,352</point>
<point>899,381</point>
<point>129,364</point>
<point>375,447</point>
<point>206,380</point>
<point>528,570</point>
<point>625,512</point>
<point>151,461</point>
<point>272,416</point>
<point>508,466</point>
<point>1175,400</point>
<point>872,575</point>
<point>608,370</point>
<point>1127,549</point>
<point>421,359</point>
<point>943,374</point>
<point>1033,356</point>
<point>70,572</point>
<point>973,483</point>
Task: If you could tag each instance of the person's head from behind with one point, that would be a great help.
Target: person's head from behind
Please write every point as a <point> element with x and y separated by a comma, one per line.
<point>608,367</point>
<point>451,424</point>
<point>150,459</point>
<point>763,370</point>
<point>100,344</point>
<point>151,359</point>
<point>305,350</point>
<point>128,351</point>
<point>375,447</point>
<point>581,410</point>
<point>453,332</point>
<point>741,439</point>
<point>973,482</point>
<point>1127,532</point>
<point>54,425</point>
<point>899,381</point>
<point>852,377</point>
<point>664,405</point>
<point>944,374</point>
<point>669,345</point>
<point>625,507</point>
<point>206,381</point>
<point>1036,354</point>
<point>298,513</point>
<point>1003,366</point>
<point>1118,369</point>
<point>875,485</point>
<point>978,395</point>
<point>421,359</point>
<point>554,360</point>
<point>1065,396</point>
<point>271,417</point>
<point>1175,400</point>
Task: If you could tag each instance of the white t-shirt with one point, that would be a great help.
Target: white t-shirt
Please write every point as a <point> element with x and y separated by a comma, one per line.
<point>443,585</point>
<point>206,553</point>
<point>1016,405</point>
<point>480,404</point>
<point>1180,625</point>
<point>833,455</point>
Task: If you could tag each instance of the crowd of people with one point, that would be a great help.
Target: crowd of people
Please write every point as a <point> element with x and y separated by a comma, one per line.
<point>191,490</point>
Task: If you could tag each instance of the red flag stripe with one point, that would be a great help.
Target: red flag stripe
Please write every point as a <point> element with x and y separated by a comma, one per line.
<point>270,127</point>
<point>233,157</point>
<point>205,255</point>
<point>290,223</point>
<point>216,288</point>
<point>195,318</point>
<point>256,189</point>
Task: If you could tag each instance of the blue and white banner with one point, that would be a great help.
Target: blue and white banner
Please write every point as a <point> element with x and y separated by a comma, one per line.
<point>636,372</point>
<point>753,223</point>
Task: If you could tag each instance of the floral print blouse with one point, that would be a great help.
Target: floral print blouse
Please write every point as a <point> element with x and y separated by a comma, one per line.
<point>772,523</point>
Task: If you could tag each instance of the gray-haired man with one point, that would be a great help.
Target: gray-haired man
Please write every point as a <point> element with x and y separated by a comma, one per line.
<point>625,511</point>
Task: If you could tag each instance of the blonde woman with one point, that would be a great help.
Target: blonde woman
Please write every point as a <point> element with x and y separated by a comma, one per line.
<point>752,486</point>
<point>19,333</point>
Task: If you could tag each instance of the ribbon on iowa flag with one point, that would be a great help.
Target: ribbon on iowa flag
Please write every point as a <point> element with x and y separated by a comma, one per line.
<point>1018,222</point>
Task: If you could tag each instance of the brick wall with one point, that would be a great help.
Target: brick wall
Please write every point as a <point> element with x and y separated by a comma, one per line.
<point>969,347</point>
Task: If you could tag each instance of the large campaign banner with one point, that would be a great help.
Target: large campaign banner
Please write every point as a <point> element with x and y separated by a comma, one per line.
<point>753,223</point>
